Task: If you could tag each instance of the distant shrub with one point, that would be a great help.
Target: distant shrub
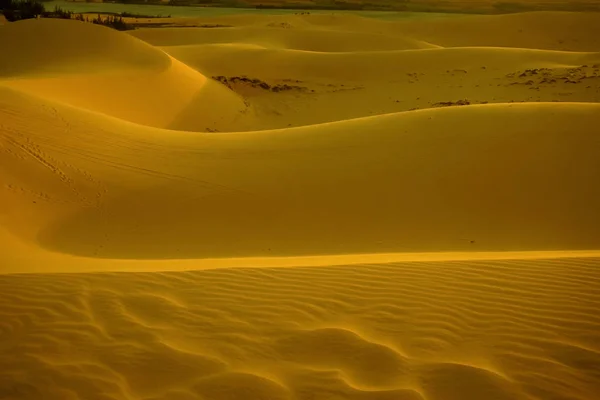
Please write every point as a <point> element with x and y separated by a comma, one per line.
<point>113,21</point>
<point>132,15</point>
<point>511,7</point>
<point>58,13</point>
<point>14,10</point>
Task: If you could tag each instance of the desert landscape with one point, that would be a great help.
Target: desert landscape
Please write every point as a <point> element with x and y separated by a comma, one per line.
<point>301,206</point>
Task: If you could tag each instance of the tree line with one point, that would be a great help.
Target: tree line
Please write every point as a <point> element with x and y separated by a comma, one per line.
<point>15,10</point>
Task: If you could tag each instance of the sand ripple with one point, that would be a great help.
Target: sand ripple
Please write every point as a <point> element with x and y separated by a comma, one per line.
<point>442,330</point>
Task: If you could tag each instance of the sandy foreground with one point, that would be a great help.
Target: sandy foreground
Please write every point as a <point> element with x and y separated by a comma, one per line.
<point>301,207</point>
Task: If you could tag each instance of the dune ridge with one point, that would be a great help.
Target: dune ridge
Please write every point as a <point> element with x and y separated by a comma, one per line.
<point>190,101</point>
<point>307,207</point>
<point>446,197</point>
<point>535,30</point>
<point>56,47</point>
<point>111,73</point>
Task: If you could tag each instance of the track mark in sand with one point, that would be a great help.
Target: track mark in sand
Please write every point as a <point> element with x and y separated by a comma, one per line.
<point>38,195</point>
<point>29,149</point>
<point>30,144</point>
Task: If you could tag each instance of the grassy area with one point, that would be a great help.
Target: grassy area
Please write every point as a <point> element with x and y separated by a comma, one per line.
<point>15,10</point>
<point>382,9</point>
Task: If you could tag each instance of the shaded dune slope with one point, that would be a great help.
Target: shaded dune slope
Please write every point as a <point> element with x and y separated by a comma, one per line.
<point>505,177</point>
<point>97,68</point>
<point>510,330</point>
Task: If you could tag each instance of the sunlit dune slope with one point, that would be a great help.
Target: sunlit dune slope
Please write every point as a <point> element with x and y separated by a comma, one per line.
<point>471,330</point>
<point>390,66</point>
<point>342,32</point>
<point>97,68</point>
<point>537,30</point>
<point>491,177</point>
<point>281,35</point>
<point>392,81</point>
<point>340,70</point>
<point>136,82</point>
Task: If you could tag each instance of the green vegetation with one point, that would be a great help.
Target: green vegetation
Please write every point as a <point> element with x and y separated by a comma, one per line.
<point>133,15</point>
<point>507,7</point>
<point>427,6</point>
<point>15,10</point>
<point>58,13</point>
<point>387,9</point>
<point>112,21</point>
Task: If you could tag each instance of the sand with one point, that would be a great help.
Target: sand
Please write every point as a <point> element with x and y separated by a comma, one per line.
<point>301,207</point>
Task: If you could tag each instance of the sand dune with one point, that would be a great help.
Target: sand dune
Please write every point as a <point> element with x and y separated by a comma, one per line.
<point>368,66</point>
<point>462,330</point>
<point>393,81</point>
<point>534,30</point>
<point>105,71</point>
<point>396,80</point>
<point>282,35</point>
<point>431,193</point>
<point>325,189</point>
<point>72,47</point>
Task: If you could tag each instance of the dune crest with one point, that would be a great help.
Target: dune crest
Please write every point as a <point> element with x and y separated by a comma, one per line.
<point>114,74</point>
<point>50,47</point>
<point>324,189</point>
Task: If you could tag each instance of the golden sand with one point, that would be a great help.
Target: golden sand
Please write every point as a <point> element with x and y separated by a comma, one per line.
<point>301,207</point>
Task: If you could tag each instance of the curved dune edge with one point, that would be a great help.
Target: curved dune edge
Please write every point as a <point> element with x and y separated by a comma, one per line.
<point>203,192</point>
<point>53,47</point>
<point>102,70</point>
<point>305,39</point>
<point>114,73</point>
<point>369,66</point>
<point>20,257</point>
<point>187,98</point>
<point>534,30</point>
